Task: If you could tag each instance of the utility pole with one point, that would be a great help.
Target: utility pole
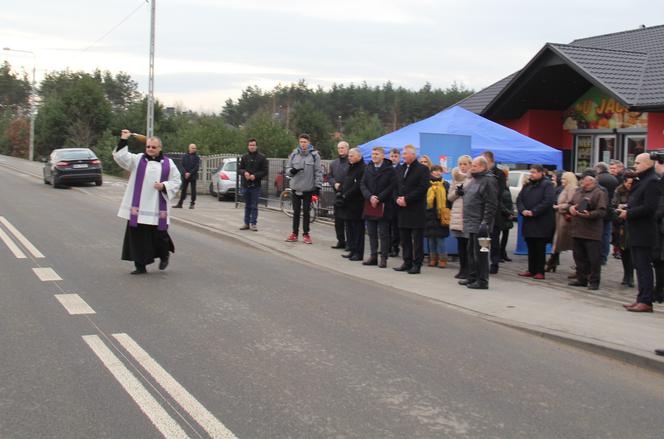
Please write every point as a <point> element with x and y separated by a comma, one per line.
<point>150,115</point>
<point>33,98</point>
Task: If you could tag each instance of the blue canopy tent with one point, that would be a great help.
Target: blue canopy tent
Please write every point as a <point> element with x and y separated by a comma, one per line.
<point>508,146</point>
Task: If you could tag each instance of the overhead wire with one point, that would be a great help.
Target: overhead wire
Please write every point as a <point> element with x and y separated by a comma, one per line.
<point>143,3</point>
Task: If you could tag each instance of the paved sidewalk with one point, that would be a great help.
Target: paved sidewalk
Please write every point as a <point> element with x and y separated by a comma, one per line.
<point>594,320</point>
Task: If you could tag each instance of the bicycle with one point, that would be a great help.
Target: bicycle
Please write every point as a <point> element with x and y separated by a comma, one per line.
<point>286,204</point>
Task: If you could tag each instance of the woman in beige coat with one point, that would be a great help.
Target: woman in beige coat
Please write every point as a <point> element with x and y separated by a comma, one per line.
<point>460,178</point>
<point>563,239</point>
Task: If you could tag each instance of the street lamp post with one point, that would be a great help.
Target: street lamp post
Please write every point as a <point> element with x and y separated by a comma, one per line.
<point>150,115</point>
<point>33,98</point>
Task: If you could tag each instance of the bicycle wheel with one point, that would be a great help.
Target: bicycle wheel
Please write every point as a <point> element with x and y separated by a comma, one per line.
<point>286,202</point>
<point>313,211</point>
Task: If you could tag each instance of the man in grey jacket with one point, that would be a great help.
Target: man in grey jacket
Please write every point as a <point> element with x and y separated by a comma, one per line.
<point>306,179</point>
<point>480,201</point>
<point>336,176</point>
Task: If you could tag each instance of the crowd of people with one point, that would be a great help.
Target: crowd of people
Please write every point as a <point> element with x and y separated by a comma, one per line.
<point>406,207</point>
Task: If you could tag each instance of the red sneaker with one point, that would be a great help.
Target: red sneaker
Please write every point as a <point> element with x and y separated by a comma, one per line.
<point>292,238</point>
<point>526,274</point>
<point>539,276</point>
<point>307,239</point>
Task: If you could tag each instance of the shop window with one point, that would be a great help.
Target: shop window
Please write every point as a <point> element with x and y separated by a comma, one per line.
<point>634,145</point>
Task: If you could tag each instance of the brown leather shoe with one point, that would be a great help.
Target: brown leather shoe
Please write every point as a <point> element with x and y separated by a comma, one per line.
<point>433,261</point>
<point>640,307</point>
<point>442,263</point>
<point>629,305</point>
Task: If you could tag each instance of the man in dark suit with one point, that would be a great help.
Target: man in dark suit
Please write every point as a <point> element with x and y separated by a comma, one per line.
<point>190,164</point>
<point>642,229</point>
<point>412,186</point>
<point>499,219</point>
<point>395,239</point>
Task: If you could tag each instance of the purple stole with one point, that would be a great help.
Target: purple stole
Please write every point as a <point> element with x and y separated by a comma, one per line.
<point>138,187</point>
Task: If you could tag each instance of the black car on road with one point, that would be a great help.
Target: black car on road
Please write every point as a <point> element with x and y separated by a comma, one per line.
<point>72,165</point>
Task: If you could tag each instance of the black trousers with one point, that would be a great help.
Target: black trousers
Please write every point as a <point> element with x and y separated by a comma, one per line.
<point>478,262</point>
<point>144,243</point>
<point>628,265</point>
<point>462,248</point>
<point>536,255</point>
<point>183,190</point>
<point>395,235</point>
<point>505,235</point>
<point>412,244</point>
<point>379,232</point>
<point>642,258</point>
<point>355,237</point>
<point>588,260</point>
<point>340,229</point>
<point>301,205</point>
<point>495,246</point>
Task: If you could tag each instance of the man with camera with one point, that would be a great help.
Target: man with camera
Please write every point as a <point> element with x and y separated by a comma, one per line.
<point>639,215</point>
<point>588,209</point>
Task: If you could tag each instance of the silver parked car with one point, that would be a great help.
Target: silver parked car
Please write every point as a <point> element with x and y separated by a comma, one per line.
<point>224,179</point>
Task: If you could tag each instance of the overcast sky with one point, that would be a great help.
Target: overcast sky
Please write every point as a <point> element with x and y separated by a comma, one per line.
<point>209,50</point>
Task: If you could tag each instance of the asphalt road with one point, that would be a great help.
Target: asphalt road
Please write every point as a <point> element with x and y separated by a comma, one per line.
<point>234,342</point>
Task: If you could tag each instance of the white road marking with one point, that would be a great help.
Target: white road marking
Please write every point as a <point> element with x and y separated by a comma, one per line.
<point>22,239</point>
<point>146,402</point>
<point>74,304</point>
<point>46,274</point>
<point>210,424</point>
<point>12,246</point>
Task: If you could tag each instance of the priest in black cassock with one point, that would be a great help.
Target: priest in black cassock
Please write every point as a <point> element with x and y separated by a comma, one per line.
<point>153,181</point>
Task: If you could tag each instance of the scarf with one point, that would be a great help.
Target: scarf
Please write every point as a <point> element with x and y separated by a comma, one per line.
<point>138,187</point>
<point>436,196</point>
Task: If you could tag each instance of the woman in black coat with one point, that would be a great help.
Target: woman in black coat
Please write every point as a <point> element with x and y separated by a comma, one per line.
<point>535,202</point>
<point>350,203</point>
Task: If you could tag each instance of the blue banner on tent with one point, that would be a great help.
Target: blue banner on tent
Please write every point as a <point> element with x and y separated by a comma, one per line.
<point>445,150</point>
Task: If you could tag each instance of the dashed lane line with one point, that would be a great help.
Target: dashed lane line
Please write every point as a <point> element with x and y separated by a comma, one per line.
<point>21,238</point>
<point>145,401</point>
<point>196,410</point>
<point>46,274</point>
<point>18,253</point>
<point>74,304</point>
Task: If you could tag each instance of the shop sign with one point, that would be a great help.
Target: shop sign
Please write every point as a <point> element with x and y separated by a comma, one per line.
<point>596,110</point>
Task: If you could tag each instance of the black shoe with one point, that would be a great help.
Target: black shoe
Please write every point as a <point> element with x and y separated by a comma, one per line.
<point>659,297</point>
<point>505,258</point>
<point>139,270</point>
<point>191,206</point>
<point>177,206</point>
<point>394,253</point>
<point>477,285</point>
<point>347,248</point>
<point>347,255</point>
<point>163,262</point>
<point>339,245</point>
<point>577,283</point>
<point>355,258</point>
<point>382,263</point>
<point>403,267</point>
<point>415,269</point>
<point>465,282</point>
<point>371,261</point>
<point>593,287</point>
<point>493,269</point>
<point>659,352</point>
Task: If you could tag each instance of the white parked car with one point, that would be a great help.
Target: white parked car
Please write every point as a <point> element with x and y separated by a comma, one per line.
<point>515,183</point>
<point>224,179</point>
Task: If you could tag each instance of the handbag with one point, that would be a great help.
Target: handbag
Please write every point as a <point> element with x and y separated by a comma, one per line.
<point>373,212</point>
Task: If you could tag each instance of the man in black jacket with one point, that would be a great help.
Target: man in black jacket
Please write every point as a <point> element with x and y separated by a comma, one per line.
<point>378,190</point>
<point>412,186</point>
<point>336,176</point>
<point>609,183</point>
<point>499,219</point>
<point>642,229</point>
<point>349,204</point>
<point>480,202</point>
<point>395,239</point>
<point>253,168</point>
<point>190,164</point>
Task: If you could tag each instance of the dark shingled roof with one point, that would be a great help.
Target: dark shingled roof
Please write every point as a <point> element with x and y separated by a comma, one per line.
<point>629,64</point>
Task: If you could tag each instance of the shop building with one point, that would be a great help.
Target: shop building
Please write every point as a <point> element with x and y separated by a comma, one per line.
<point>596,99</point>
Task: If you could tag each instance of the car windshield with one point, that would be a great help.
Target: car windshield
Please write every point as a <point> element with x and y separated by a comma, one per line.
<point>81,154</point>
<point>514,178</point>
<point>230,166</point>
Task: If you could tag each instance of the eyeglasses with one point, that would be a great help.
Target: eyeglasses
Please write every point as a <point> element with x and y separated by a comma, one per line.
<point>151,147</point>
